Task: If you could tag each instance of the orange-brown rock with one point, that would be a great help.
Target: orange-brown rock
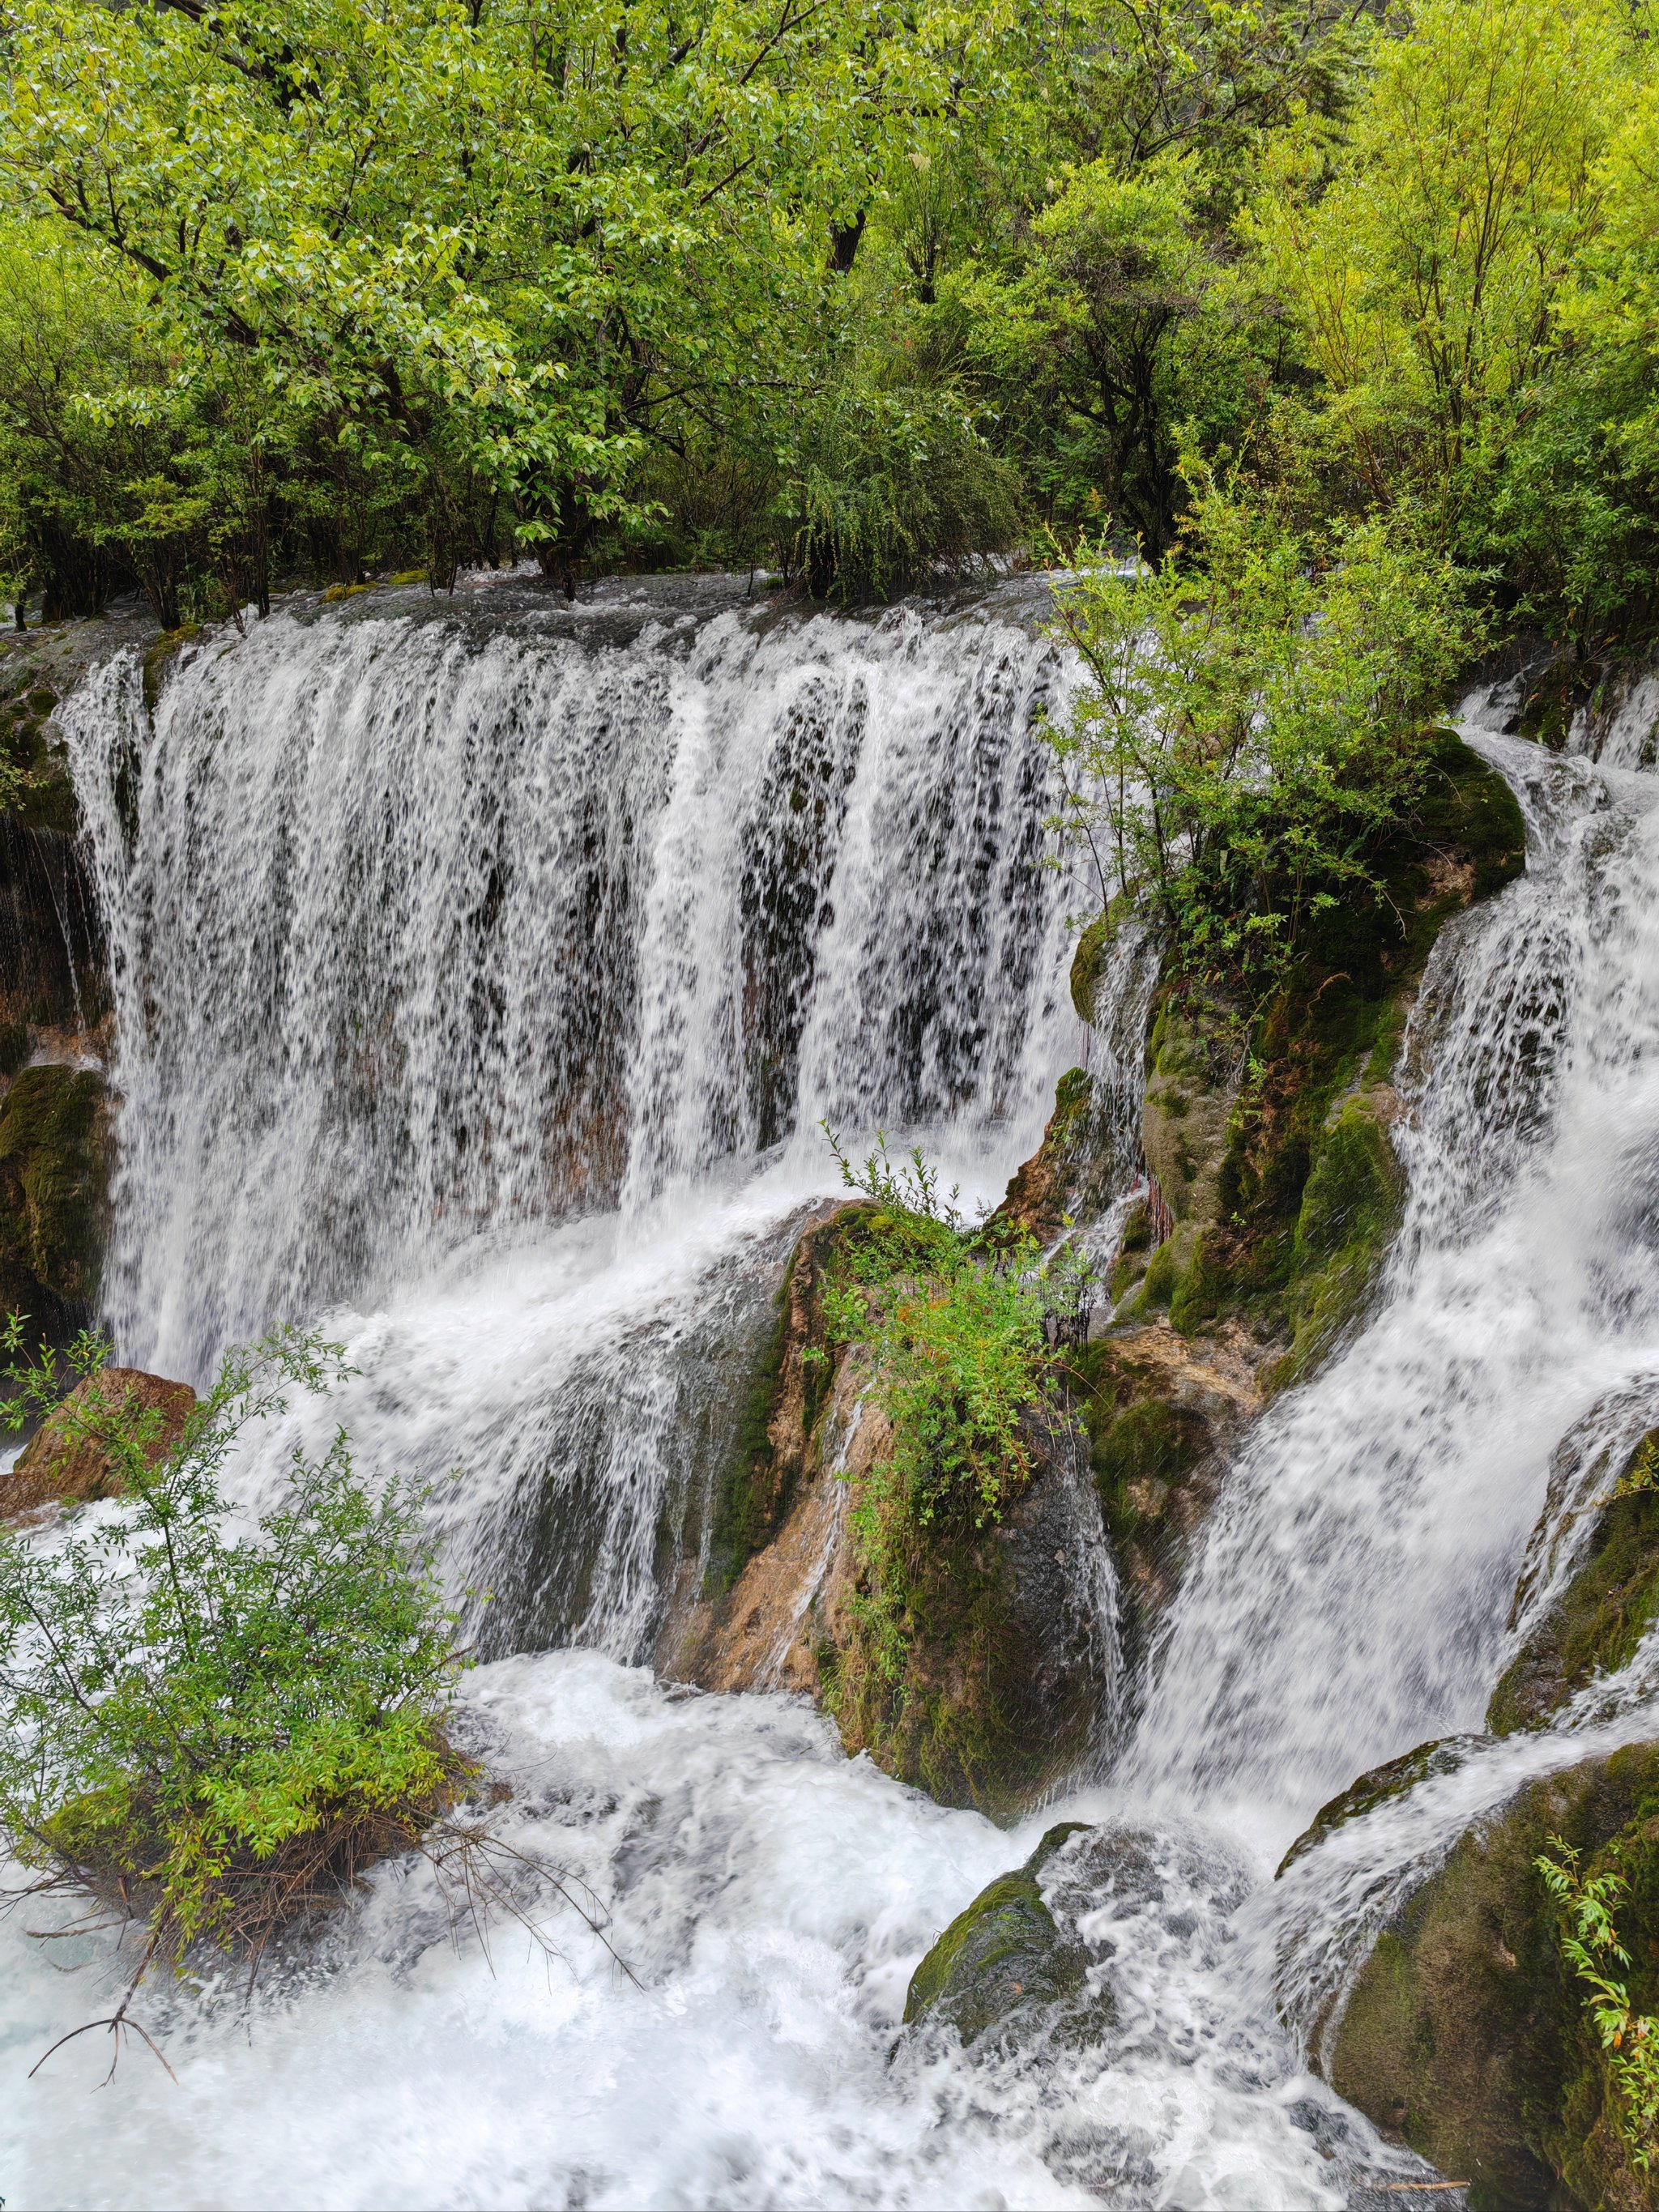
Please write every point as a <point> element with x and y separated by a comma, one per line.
<point>60,1464</point>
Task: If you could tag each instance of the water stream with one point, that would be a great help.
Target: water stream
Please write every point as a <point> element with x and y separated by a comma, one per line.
<point>481,981</point>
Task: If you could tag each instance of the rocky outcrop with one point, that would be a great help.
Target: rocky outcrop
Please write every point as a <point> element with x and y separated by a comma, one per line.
<point>1003,1963</point>
<point>1595,1624</point>
<point>1274,1171</point>
<point>64,1463</point>
<point>1466,2033</point>
<point>1069,1176</point>
<point>1164,1414</point>
<point>53,1175</point>
<point>1003,1681</point>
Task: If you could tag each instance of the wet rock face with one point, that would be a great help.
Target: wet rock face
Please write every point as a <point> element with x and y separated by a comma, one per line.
<point>1163,1413</point>
<point>59,1466</point>
<point>1594,1625</point>
<point>1069,1176</point>
<point>1003,1963</point>
<point>1466,2033</point>
<point>53,1175</point>
<point>1392,1779</point>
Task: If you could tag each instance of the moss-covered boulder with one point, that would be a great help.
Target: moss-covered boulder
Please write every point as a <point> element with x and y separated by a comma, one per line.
<point>1443,1755</point>
<point>52,1196</point>
<point>1283,1223</point>
<point>1595,1624</point>
<point>60,1464</point>
<point>998,1690</point>
<point>1003,1963</point>
<point>1465,2032</point>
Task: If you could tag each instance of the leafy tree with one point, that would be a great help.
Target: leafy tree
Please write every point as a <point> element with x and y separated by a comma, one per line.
<point>1424,253</point>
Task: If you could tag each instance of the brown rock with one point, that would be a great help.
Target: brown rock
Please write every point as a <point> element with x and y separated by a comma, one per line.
<point>58,1464</point>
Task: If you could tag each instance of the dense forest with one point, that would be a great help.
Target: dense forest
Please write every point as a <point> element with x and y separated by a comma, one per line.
<point>846,289</point>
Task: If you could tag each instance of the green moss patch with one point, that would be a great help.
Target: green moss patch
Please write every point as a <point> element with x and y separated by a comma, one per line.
<point>1308,1189</point>
<point>52,1194</point>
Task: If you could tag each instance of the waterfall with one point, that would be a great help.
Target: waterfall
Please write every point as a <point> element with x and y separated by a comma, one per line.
<point>426,931</point>
<point>1350,1596</point>
<point>480,978</point>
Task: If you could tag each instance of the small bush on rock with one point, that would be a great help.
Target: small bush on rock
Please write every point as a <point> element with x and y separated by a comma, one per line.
<point>212,1727</point>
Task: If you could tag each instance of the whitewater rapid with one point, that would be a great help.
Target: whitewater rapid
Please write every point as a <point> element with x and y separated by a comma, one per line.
<point>480,986</point>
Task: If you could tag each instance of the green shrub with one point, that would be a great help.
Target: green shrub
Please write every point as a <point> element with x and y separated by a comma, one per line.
<point>1251,732</point>
<point>891,485</point>
<point>958,1325</point>
<point>1590,1946</point>
<point>209,1730</point>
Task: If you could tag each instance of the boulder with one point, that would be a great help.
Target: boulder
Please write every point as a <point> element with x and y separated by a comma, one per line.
<point>1465,2032</point>
<point>1595,1624</point>
<point>1003,1961</point>
<point>58,1463</point>
<point>1007,1679</point>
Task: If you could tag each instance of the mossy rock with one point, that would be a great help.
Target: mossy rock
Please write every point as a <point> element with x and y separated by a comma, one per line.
<point>1003,1679</point>
<point>1158,1423</point>
<point>52,1186</point>
<point>1595,1625</point>
<point>1308,1194</point>
<point>1465,2032</point>
<point>1072,1176</point>
<point>160,656</point>
<point>1004,1961</point>
<point>1394,1778</point>
<point>1094,950</point>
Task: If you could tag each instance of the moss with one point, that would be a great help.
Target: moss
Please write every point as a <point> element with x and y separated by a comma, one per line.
<point>52,1194</point>
<point>1094,948</point>
<point>953,1714</point>
<point>752,1498</point>
<point>1465,2032</point>
<point>1004,1956</point>
<point>160,657</point>
<point>1309,1193</point>
<point>1157,1285</point>
<point>1351,1209</point>
<point>1595,1625</point>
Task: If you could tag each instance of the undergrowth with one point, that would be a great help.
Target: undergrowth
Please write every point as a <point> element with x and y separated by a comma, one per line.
<point>964,1329</point>
<point>1590,1946</point>
<point>209,1729</point>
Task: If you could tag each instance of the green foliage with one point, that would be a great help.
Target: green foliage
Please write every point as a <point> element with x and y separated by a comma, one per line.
<point>891,486</point>
<point>1252,729</point>
<point>1590,1946</point>
<point>957,1327</point>
<point>208,1723</point>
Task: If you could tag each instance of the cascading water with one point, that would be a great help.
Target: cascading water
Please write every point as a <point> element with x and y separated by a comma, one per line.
<point>482,981</point>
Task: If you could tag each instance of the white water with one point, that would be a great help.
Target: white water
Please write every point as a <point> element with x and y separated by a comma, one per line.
<point>300,1016</point>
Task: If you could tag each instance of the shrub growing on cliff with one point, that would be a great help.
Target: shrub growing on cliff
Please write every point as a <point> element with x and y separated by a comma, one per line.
<point>1252,729</point>
<point>210,1728</point>
<point>1590,1946</point>
<point>961,1326</point>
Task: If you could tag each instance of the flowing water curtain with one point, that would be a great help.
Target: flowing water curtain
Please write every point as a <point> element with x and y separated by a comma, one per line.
<point>426,928</point>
